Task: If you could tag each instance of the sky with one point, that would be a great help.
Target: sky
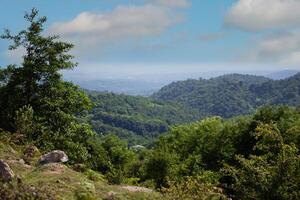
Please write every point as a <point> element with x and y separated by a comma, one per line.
<point>123,37</point>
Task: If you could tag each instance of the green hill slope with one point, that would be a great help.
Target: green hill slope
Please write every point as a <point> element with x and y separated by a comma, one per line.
<point>137,119</point>
<point>231,95</point>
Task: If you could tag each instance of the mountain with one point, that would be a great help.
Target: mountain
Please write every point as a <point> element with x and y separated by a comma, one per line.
<point>285,91</point>
<point>231,95</point>
<point>282,74</point>
<point>122,86</point>
<point>134,118</point>
<point>146,84</point>
<point>141,119</point>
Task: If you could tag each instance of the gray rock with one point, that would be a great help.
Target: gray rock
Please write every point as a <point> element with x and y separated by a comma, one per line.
<point>55,156</point>
<point>6,174</point>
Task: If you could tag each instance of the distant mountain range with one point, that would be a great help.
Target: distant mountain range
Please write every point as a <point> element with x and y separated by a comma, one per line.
<point>145,85</point>
<point>282,74</point>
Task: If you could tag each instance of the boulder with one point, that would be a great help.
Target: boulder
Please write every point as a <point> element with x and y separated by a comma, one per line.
<point>55,156</point>
<point>6,174</point>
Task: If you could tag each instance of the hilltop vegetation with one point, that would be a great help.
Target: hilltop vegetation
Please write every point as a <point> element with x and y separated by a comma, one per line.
<point>231,95</point>
<point>137,119</point>
<point>140,119</point>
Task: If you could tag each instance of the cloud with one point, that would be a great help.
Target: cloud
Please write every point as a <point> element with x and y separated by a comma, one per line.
<point>172,3</point>
<point>90,30</point>
<point>282,48</point>
<point>271,19</point>
<point>264,14</point>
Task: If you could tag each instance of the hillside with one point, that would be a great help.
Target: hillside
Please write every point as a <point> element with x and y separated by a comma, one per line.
<point>56,180</point>
<point>231,95</point>
<point>141,119</point>
<point>136,119</point>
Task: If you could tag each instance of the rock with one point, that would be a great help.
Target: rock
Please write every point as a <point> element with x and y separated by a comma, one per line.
<point>110,195</point>
<point>6,173</point>
<point>22,162</point>
<point>55,156</point>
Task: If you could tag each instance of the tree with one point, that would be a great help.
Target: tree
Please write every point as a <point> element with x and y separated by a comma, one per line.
<point>273,173</point>
<point>110,156</point>
<point>37,83</point>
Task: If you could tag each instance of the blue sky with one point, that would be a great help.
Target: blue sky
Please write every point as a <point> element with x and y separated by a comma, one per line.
<point>173,35</point>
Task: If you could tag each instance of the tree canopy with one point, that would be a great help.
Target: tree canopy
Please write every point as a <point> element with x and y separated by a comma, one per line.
<point>35,92</point>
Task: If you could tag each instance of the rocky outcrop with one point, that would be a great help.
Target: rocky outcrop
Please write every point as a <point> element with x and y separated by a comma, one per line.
<point>6,174</point>
<point>55,156</point>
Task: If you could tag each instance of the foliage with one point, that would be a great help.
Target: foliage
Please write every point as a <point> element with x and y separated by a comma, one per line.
<point>253,157</point>
<point>35,101</point>
<point>137,119</point>
<point>273,174</point>
<point>231,95</point>
<point>196,187</point>
<point>110,156</point>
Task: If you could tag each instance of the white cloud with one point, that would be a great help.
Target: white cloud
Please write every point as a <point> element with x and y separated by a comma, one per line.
<point>172,3</point>
<point>269,17</point>
<point>264,14</point>
<point>90,30</point>
<point>281,48</point>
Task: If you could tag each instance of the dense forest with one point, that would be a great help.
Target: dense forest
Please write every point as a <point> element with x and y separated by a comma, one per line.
<point>254,156</point>
<point>231,95</point>
<point>139,120</point>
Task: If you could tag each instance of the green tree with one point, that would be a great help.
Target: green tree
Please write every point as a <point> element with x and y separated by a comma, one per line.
<point>110,156</point>
<point>273,173</point>
<point>37,84</point>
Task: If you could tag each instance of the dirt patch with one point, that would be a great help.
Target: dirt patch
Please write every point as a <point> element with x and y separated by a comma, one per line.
<point>137,189</point>
<point>53,168</point>
<point>20,163</point>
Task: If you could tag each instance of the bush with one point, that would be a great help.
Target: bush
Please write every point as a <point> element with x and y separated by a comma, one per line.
<point>193,188</point>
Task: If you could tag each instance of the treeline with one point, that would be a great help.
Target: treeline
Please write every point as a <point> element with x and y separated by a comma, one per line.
<point>231,95</point>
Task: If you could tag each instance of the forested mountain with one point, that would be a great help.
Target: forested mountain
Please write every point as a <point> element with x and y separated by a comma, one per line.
<point>140,119</point>
<point>136,118</point>
<point>231,95</point>
<point>286,91</point>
